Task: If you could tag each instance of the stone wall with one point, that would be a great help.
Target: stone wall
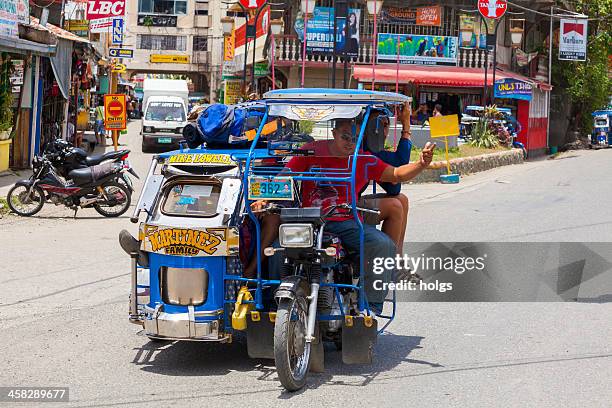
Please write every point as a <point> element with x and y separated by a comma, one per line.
<point>468,165</point>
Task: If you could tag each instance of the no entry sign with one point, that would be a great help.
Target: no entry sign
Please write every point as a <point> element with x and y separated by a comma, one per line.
<point>115,117</point>
<point>492,8</point>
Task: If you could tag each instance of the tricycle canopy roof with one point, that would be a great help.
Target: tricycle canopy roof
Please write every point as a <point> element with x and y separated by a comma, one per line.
<point>331,95</point>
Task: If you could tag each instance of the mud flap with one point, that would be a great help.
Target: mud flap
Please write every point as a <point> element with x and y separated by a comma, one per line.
<point>260,334</point>
<point>358,338</point>
<point>317,353</point>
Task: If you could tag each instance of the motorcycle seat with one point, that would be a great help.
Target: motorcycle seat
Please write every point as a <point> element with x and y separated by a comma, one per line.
<point>99,158</point>
<point>91,174</point>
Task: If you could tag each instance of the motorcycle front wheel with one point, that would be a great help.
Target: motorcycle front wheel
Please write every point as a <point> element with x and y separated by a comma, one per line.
<point>116,202</point>
<point>291,351</point>
<point>24,204</point>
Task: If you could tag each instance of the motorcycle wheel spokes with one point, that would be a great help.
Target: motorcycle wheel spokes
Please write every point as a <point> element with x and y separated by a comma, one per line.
<point>117,203</point>
<point>22,203</point>
<point>291,351</point>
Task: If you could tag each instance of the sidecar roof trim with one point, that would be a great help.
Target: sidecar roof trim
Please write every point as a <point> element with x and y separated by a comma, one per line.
<point>237,153</point>
<point>327,95</point>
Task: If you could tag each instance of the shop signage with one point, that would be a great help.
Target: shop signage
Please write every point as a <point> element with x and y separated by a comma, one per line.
<point>492,8</point>
<point>117,31</point>
<point>229,70</point>
<point>320,32</point>
<point>153,20</point>
<point>115,112</point>
<point>8,18</point>
<point>121,53</point>
<point>23,11</point>
<point>231,91</point>
<point>105,9</point>
<point>78,27</point>
<point>573,39</point>
<point>417,49</point>
<point>119,68</point>
<point>229,46</point>
<point>169,59</point>
<point>429,16</point>
<point>511,88</point>
<point>262,69</point>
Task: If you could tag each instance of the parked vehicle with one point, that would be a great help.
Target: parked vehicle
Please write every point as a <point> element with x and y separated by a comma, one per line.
<point>602,131</point>
<point>165,113</point>
<point>199,232</point>
<point>96,187</point>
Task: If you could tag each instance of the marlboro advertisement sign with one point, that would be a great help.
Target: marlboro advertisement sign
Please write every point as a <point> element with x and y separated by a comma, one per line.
<point>573,40</point>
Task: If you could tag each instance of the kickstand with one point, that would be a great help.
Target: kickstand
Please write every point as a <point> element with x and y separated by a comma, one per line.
<point>75,212</point>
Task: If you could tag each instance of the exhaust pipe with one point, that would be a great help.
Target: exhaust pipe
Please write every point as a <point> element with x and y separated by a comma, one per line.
<point>134,318</point>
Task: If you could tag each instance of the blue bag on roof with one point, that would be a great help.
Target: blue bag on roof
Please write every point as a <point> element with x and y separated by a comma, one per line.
<point>225,125</point>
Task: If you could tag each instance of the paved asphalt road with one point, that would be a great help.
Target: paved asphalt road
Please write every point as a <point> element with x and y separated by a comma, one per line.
<point>64,284</point>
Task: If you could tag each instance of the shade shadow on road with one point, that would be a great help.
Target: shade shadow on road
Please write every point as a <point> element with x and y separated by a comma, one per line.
<point>212,359</point>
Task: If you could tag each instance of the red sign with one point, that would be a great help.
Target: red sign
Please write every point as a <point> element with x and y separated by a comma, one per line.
<point>99,9</point>
<point>253,4</point>
<point>429,16</point>
<point>262,28</point>
<point>492,8</point>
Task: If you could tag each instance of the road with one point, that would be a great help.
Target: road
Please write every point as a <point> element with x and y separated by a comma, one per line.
<point>64,284</point>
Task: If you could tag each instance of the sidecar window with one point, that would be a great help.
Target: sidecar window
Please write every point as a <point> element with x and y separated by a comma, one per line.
<point>191,199</point>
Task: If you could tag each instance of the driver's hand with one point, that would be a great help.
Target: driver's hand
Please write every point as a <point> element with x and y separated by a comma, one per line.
<point>259,205</point>
<point>427,154</point>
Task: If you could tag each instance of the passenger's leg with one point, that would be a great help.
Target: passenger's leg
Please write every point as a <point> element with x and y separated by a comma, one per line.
<point>269,232</point>
<point>393,219</point>
<point>377,244</point>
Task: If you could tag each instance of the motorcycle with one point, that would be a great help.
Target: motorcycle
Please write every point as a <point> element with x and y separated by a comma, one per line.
<point>96,187</point>
<point>200,233</point>
<point>65,157</point>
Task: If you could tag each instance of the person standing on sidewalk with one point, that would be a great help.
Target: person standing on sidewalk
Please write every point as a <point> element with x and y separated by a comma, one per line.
<point>99,127</point>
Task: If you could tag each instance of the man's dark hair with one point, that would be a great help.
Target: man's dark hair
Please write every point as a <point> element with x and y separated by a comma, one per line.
<point>439,107</point>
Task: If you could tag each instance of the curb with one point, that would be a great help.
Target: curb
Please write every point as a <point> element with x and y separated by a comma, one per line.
<point>469,165</point>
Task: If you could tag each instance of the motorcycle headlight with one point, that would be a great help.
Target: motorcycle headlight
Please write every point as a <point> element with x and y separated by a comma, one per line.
<point>295,235</point>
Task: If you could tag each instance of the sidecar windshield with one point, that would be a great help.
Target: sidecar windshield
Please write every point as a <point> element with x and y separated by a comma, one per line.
<point>188,198</point>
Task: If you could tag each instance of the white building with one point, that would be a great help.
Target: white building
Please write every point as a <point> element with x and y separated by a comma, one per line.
<point>176,37</point>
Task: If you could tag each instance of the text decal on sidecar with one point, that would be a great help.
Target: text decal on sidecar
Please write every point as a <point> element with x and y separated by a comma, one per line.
<point>200,158</point>
<point>189,242</point>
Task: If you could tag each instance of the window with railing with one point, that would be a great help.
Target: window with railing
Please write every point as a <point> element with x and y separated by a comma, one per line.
<point>162,6</point>
<point>161,42</point>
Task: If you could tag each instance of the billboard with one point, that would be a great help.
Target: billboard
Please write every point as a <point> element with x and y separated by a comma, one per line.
<point>511,88</point>
<point>573,39</point>
<point>320,32</point>
<point>417,49</point>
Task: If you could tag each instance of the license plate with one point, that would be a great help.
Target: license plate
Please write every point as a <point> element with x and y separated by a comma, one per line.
<point>165,140</point>
<point>261,188</point>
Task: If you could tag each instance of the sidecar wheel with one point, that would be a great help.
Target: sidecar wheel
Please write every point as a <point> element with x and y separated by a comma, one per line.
<point>291,351</point>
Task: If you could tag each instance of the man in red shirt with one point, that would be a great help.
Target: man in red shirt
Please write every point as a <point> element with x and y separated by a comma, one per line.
<point>336,156</point>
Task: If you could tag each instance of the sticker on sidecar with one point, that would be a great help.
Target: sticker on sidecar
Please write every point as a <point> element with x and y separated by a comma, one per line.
<point>280,188</point>
<point>200,158</point>
<point>189,241</point>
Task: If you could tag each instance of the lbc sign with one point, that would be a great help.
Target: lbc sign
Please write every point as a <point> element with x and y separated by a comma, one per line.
<point>492,8</point>
<point>99,9</point>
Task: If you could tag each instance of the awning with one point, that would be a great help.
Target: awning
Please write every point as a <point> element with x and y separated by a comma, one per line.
<point>437,76</point>
<point>59,32</point>
<point>21,46</point>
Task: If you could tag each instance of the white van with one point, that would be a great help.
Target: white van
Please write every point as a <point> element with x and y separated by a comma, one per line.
<point>164,113</point>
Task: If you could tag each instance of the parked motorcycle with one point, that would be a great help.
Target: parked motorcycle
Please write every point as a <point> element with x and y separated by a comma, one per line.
<point>96,187</point>
<point>65,157</point>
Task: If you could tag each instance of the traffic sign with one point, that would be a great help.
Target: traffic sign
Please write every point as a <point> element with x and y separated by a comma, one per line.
<point>253,4</point>
<point>119,68</point>
<point>117,31</point>
<point>492,8</point>
<point>121,53</point>
<point>115,117</point>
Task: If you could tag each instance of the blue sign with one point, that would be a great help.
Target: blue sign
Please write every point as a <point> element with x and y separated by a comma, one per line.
<point>121,53</point>
<point>117,31</point>
<point>320,32</point>
<point>511,88</point>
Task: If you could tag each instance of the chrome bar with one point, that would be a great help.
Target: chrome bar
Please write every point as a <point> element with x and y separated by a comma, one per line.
<point>138,208</point>
<point>312,312</point>
<point>134,318</point>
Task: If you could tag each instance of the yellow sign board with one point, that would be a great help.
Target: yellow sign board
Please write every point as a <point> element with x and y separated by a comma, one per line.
<point>115,114</point>
<point>444,126</point>
<point>200,158</point>
<point>231,92</point>
<point>119,68</point>
<point>169,59</point>
<point>194,242</point>
<point>229,47</point>
<point>77,25</point>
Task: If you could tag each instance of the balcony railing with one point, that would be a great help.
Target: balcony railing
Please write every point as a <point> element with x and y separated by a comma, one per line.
<point>289,49</point>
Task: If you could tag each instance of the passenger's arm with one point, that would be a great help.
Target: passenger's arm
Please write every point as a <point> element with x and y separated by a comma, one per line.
<point>411,170</point>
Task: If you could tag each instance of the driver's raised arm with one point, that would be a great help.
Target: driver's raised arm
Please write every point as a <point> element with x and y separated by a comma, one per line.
<point>411,170</point>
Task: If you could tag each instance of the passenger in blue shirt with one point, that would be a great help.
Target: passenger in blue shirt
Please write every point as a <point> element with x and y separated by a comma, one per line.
<point>393,205</point>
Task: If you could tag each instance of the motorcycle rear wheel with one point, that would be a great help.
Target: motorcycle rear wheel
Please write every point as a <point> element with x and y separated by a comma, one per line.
<point>17,200</point>
<point>291,351</point>
<point>118,192</point>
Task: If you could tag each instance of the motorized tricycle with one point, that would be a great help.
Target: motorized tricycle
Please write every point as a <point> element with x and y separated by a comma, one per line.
<point>200,232</point>
<point>602,131</point>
